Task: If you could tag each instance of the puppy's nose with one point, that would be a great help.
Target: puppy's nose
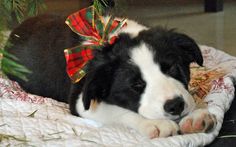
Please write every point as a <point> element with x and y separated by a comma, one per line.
<point>174,106</point>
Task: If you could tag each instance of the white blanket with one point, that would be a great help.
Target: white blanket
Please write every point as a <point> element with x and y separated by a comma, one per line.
<point>30,120</point>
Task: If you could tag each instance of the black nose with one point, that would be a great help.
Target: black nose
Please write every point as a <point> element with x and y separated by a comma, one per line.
<point>174,106</point>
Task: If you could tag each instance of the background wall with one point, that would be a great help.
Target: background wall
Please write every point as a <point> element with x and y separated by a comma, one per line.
<point>187,16</point>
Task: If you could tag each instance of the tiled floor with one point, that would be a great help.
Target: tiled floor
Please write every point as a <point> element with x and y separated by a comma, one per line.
<point>213,29</point>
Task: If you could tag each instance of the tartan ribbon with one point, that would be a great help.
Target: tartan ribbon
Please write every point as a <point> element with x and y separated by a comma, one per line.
<point>96,32</point>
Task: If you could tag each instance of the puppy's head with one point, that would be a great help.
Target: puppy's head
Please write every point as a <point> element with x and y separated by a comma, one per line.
<point>148,74</point>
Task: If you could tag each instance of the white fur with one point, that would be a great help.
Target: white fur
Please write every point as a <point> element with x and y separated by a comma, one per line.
<point>109,114</point>
<point>133,28</point>
<point>159,87</point>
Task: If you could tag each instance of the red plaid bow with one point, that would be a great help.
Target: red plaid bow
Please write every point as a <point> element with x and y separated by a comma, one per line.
<point>96,31</point>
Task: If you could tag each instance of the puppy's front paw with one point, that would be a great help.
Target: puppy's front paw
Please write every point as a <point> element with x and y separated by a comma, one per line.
<point>158,128</point>
<point>200,120</point>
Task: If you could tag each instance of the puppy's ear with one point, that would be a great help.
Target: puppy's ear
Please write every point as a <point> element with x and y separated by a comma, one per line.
<point>97,83</point>
<point>102,68</point>
<point>189,48</point>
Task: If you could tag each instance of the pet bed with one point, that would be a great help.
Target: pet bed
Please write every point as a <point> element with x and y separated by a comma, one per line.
<point>30,120</point>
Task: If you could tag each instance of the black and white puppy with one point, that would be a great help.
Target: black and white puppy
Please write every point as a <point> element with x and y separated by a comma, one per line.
<point>140,81</point>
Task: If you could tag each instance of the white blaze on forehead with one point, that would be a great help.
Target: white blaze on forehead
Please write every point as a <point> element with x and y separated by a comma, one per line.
<point>158,82</point>
<point>143,58</point>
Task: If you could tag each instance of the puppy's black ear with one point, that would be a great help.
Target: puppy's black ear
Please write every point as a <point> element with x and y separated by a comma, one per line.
<point>189,48</point>
<point>97,83</point>
<point>102,68</point>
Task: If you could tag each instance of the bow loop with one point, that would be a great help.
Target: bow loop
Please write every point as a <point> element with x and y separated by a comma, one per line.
<point>96,32</point>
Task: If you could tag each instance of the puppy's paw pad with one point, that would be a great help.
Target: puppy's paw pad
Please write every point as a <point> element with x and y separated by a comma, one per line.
<point>198,121</point>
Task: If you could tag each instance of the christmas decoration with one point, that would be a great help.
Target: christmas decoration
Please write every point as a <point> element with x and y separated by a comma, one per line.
<point>96,31</point>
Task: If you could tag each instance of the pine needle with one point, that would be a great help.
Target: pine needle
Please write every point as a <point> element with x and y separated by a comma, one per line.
<point>3,125</point>
<point>87,140</point>
<point>8,137</point>
<point>32,114</point>
<point>24,144</point>
<point>75,132</point>
<point>227,136</point>
<point>50,139</point>
<point>56,133</point>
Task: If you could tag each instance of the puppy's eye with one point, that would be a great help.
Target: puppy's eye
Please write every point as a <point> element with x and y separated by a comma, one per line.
<point>165,67</point>
<point>139,85</point>
<point>169,68</point>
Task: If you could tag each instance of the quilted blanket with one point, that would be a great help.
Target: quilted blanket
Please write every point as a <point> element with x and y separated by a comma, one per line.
<point>30,120</point>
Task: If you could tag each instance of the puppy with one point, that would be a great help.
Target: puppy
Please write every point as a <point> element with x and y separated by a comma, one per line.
<point>140,81</point>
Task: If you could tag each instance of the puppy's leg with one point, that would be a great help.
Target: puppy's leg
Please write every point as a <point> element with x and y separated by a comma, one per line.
<point>200,120</point>
<point>108,114</point>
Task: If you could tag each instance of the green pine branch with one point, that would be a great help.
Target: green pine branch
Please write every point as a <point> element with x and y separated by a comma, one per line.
<point>100,5</point>
<point>10,65</point>
<point>19,10</point>
<point>35,6</point>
